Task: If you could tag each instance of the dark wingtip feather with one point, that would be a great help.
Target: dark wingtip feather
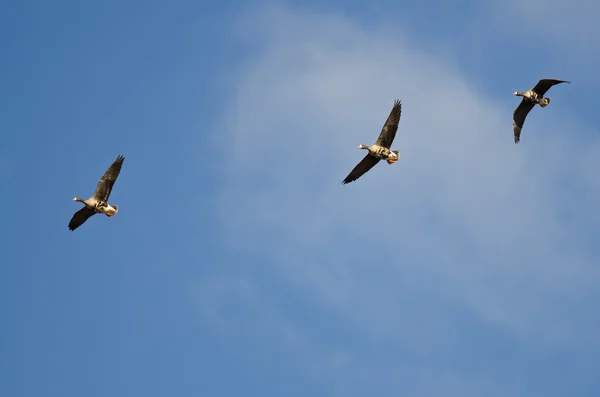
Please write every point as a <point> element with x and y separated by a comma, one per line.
<point>348,180</point>
<point>398,108</point>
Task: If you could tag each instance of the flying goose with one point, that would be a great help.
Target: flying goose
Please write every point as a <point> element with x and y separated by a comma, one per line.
<point>98,203</point>
<point>381,149</point>
<point>530,99</point>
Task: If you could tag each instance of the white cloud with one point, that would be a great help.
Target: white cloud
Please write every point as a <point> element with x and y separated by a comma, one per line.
<point>466,218</point>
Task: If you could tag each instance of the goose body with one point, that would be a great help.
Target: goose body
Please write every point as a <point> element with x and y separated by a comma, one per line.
<point>98,203</point>
<point>382,153</point>
<point>381,149</point>
<point>532,97</point>
<point>98,206</point>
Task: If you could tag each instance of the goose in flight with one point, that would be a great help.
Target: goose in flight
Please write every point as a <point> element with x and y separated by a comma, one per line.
<point>98,203</point>
<point>530,99</point>
<point>381,149</point>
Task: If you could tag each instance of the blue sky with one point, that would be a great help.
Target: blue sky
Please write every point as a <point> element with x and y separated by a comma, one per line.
<point>238,264</point>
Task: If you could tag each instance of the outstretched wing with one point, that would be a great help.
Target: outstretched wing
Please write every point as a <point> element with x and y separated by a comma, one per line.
<point>365,165</point>
<point>108,180</point>
<point>519,116</point>
<point>544,85</point>
<point>388,132</point>
<point>80,217</point>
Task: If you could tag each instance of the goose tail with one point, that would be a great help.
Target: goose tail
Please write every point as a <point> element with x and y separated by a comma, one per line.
<point>394,160</point>
<point>544,102</point>
<point>112,211</point>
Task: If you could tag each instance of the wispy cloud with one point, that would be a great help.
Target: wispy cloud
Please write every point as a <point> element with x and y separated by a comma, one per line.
<point>466,222</point>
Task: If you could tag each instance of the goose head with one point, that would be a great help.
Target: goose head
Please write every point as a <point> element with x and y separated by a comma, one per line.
<point>78,199</point>
<point>517,93</point>
<point>361,146</point>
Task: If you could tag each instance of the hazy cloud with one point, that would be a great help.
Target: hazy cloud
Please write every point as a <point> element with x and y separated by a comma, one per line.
<point>466,222</point>
<point>572,25</point>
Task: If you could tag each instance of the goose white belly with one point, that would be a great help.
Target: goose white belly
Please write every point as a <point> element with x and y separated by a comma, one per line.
<point>379,151</point>
<point>384,153</point>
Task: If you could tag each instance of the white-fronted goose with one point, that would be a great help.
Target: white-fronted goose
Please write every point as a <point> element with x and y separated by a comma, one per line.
<point>381,149</point>
<point>98,203</point>
<point>530,99</point>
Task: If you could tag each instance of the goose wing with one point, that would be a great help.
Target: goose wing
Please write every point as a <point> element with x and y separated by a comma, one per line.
<point>80,217</point>
<point>545,84</point>
<point>365,165</point>
<point>107,181</point>
<point>519,116</point>
<point>388,132</point>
